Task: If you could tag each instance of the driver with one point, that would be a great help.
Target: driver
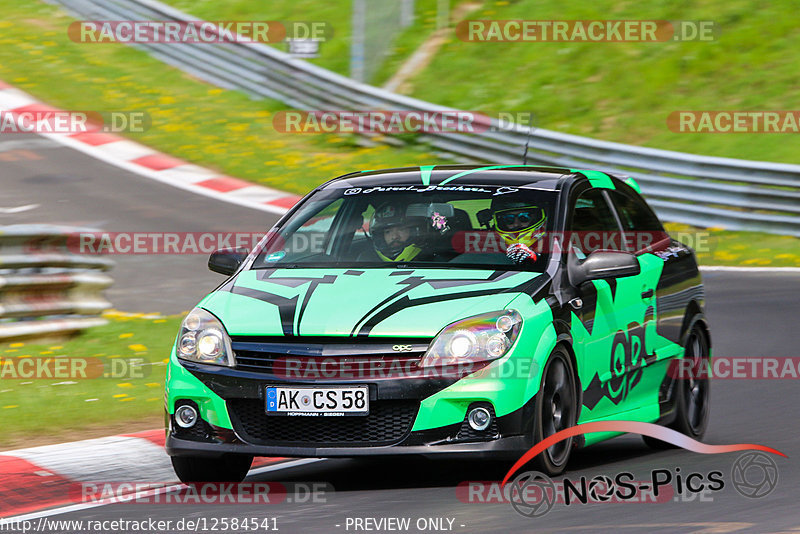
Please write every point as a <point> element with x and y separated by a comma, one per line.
<point>395,236</point>
<point>521,225</point>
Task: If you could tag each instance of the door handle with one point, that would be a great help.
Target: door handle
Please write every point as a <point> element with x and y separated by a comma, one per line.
<point>647,294</point>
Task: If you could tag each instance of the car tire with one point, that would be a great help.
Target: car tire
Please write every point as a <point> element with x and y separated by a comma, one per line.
<point>227,468</point>
<point>555,410</point>
<point>692,402</point>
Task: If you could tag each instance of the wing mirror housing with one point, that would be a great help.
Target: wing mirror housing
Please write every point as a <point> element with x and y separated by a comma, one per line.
<point>227,260</point>
<point>601,265</point>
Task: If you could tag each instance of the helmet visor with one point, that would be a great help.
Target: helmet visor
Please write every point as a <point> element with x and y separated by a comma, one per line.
<point>519,219</point>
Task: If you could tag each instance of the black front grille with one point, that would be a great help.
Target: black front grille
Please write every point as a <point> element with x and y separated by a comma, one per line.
<point>388,422</point>
<point>329,367</point>
<point>320,358</point>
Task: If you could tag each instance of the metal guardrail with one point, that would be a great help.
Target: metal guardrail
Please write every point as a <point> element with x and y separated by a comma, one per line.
<point>45,289</point>
<point>688,188</point>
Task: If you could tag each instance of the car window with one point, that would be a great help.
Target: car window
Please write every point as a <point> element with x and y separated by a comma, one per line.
<point>310,237</point>
<point>593,226</point>
<point>640,225</point>
<point>416,225</point>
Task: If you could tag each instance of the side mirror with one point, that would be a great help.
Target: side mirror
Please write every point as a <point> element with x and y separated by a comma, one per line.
<point>227,260</point>
<point>601,265</point>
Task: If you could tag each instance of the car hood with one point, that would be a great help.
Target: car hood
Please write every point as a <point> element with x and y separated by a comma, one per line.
<point>374,302</point>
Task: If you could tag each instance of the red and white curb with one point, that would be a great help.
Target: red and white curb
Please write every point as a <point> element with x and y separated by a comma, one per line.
<point>42,478</point>
<point>145,161</point>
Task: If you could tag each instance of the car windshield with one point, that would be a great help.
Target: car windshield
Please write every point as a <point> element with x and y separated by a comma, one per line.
<point>469,226</point>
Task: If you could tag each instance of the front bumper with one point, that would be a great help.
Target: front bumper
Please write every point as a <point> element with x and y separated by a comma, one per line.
<point>499,448</point>
<point>420,416</point>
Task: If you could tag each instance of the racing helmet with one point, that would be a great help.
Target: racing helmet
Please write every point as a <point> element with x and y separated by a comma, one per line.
<point>517,221</point>
<point>395,236</point>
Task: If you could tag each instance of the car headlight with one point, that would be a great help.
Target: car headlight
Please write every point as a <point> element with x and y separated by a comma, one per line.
<point>476,339</point>
<point>203,339</point>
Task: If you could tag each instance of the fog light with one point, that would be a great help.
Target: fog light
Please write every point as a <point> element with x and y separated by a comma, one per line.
<point>186,416</point>
<point>479,418</point>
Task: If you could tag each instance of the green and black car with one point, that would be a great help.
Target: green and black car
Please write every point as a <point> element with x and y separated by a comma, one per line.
<point>440,310</point>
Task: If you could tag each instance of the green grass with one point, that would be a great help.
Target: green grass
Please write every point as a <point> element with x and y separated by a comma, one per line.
<point>334,54</point>
<point>222,130</point>
<point>715,246</point>
<point>58,409</point>
<point>624,91</point>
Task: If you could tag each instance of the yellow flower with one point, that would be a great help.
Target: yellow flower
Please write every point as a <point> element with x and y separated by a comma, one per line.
<point>722,255</point>
<point>120,395</point>
<point>137,347</point>
<point>125,336</point>
<point>16,345</point>
<point>125,385</point>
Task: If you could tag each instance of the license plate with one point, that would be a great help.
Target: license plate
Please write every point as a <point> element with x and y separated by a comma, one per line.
<point>318,401</point>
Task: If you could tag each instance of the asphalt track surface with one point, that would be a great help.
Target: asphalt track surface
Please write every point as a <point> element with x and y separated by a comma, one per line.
<point>74,189</point>
<point>751,315</point>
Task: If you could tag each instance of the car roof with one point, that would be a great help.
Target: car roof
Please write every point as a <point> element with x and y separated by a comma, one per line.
<point>532,176</point>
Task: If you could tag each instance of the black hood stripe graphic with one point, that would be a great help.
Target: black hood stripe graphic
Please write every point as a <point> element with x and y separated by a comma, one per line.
<point>410,283</point>
<point>406,302</point>
<point>291,319</point>
<point>286,306</point>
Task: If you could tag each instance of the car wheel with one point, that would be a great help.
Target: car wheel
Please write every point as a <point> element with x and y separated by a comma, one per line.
<point>556,410</point>
<point>692,402</point>
<point>227,468</point>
